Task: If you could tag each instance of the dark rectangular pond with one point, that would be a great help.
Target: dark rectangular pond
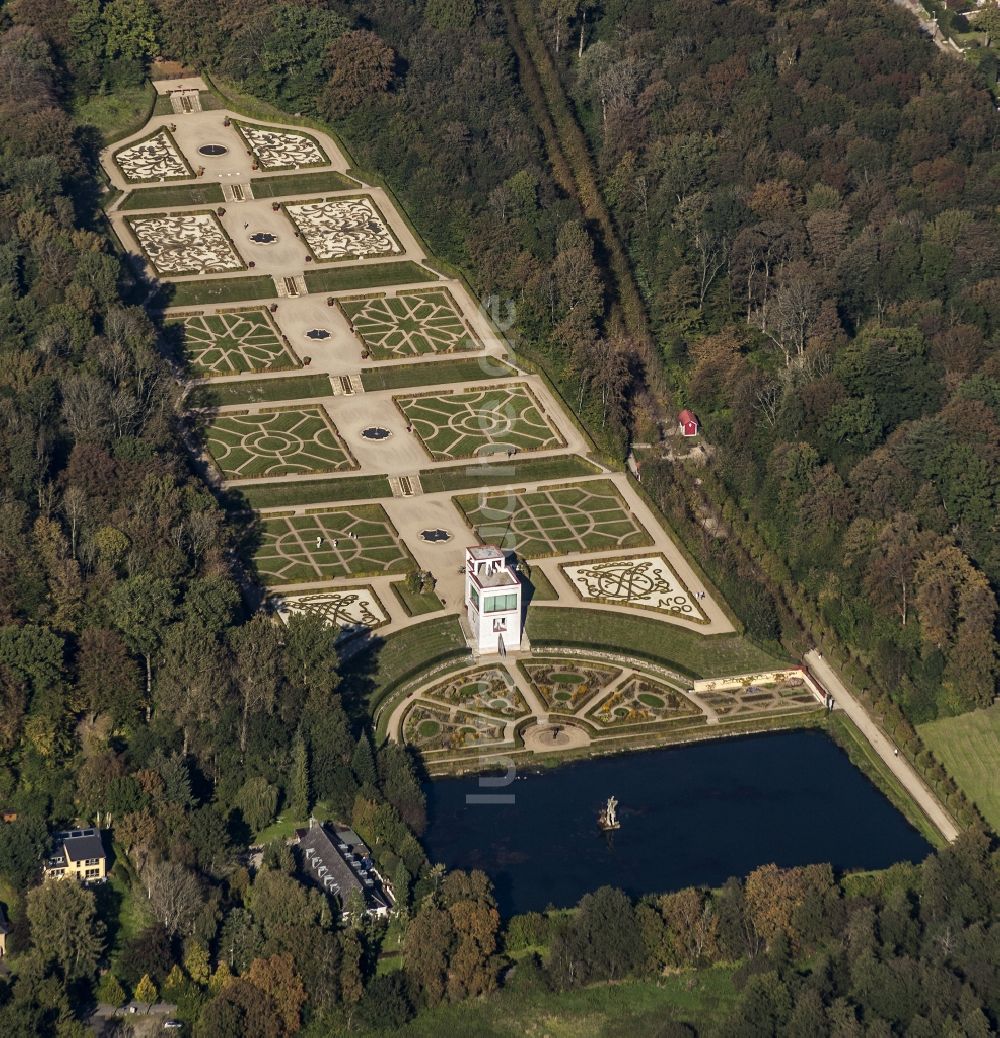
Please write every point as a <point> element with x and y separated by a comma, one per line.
<point>689,815</point>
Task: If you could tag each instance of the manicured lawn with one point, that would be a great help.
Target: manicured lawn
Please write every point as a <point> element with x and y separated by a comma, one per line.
<point>367,275</point>
<point>10,896</point>
<point>300,184</point>
<point>370,675</point>
<point>969,748</point>
<point>416,604</point>
<point>359,488</point>
<point>276,443</point>
<point>475,422</point>
<point>123,910</point>
<point>285,825</point>
<point>116,114</point>
<point>220,290</point>
<point>685,651</point>
<point>637,1008</point>
<point>269,390</point>
<point>388,964</point>
<point>541,587</point>
<point>351,541</point>
<point>171,195</point>
<point>316,491</point>
<point>559,520</point>
<point>517,470</point>
<point>434,373</point>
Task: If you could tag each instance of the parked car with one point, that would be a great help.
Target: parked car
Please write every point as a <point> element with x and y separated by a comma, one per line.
<point>172,1025</point>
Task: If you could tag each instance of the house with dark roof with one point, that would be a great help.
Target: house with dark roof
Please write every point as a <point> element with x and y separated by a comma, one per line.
<point>341,865</point>
<point>4,930</point>
<point>77,854</point>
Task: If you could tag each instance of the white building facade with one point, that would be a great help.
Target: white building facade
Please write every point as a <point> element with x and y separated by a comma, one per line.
<point>492,600</point>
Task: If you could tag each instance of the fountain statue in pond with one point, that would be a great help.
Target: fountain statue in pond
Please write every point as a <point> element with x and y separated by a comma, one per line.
<point>608,818</point>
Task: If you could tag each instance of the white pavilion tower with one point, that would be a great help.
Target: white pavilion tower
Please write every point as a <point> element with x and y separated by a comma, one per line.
<point>492,599</point>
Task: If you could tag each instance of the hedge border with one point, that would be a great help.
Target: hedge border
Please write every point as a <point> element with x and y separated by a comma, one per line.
<point>190,175</point>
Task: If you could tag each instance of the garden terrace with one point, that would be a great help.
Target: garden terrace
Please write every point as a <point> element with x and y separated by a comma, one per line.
<point>353,541</point>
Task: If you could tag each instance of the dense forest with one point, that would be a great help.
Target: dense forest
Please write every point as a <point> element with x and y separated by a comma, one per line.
<point>808,195</point>
<point>135,692</point>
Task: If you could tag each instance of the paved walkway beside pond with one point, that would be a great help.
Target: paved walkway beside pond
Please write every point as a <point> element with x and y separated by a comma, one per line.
<point>883,746</point>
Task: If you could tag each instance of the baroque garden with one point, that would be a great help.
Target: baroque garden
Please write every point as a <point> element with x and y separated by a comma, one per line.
<point>376,421</point>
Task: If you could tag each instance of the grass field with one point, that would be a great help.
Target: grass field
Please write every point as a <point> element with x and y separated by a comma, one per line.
<point>541,589</point>
<point>264,390</point>
<point>220,290</point>
<point>403,326</point>
<point>171,195</point>
<point>969,748</point>
<point>685,651</point>
<point>434,373</point>
<point>276,443</point>
<point>517,470</point>
<point>361,488</point>
<point>356,541</point>
<point>631,1009</point>
<point>316,491</point>
<point>588,516</point>
<point>366,275</point>
<point>416,604</point>
<point>300,184</point>
<point>117,114</point>
<point>370,675</point>
<point>475,422</point>
<point>216,345</point>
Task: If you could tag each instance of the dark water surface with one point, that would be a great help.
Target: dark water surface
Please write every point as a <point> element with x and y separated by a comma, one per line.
<point>690,815</point>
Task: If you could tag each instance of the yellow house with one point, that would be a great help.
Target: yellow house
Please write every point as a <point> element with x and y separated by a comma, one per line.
<point>79,854</point>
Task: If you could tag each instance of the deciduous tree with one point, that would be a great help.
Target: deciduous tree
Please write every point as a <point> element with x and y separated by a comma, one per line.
<point>65,928</point>
<point>175,896</point>
<point>361,66</point>
<point>276,978</point>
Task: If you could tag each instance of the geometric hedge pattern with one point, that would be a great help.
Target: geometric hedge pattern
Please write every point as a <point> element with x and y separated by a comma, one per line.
<point>342,228</point>
<point>185,243</point>
<point>644,582</point>
<point>233,343</point>
<point>280,149</point>
<point>588,516</point>
<point>408,325</point>
<point>276,443</point>
<point>155,157</point>
<point>350,541</point>
<point>479,421</point>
